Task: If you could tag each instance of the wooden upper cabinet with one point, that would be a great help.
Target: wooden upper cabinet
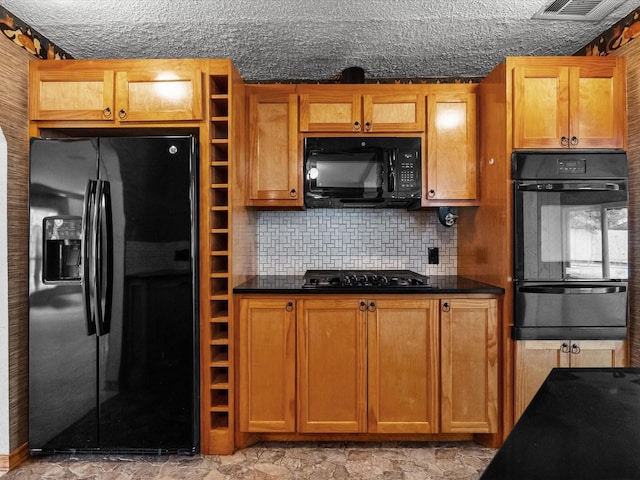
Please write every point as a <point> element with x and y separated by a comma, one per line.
<point>451,165</point>
<point>569,103</point>
<point>62,91</point>
<point>403,359</point>
<point>330,112</point>
<point>469,365</point>
<point>150,94</point>
<point>275,168</point>
<point>355,112</point>
<point>393,113</point>
<point>114,91</point>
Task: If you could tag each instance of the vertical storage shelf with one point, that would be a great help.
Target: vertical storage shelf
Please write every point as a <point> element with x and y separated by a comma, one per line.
<point>217,398</point>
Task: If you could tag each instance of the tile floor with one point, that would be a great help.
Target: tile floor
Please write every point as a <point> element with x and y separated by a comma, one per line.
<point>266,461</point>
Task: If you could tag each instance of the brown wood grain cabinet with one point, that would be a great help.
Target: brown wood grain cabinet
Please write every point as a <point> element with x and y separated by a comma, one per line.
<point>332,366</point>
<point>275,165</point>
<point>402,351</point>
<point>116,91</point>
<point>378,365</point>
<point>267,365</point>
<point>338,109</point>
<point>569,103</point>
<point>469,365</point>
<point>535,359</point>
<point>450,169</point>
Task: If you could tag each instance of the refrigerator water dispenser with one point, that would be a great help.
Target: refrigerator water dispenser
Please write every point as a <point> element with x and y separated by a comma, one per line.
<point>62,250</point>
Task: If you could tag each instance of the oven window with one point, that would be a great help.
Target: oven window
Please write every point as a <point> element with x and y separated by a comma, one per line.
<point>572,235</point>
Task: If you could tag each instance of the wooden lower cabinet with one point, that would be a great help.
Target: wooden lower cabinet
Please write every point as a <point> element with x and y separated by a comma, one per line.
<point>403,351</point>
<point>535,359</point>
<point>267,347</point>
<point>469,365</point>
<point>380,365</point>
<point>332,366</point>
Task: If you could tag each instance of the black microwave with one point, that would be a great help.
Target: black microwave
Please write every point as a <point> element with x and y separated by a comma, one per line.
<point>374,172</point>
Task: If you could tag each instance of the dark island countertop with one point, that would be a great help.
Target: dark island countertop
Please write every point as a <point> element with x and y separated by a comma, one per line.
<point>292,284</point>
<point>583,423</point>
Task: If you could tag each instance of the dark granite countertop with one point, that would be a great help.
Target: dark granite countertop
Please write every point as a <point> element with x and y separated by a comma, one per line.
<point>292,284</point>
<point>583,423</point>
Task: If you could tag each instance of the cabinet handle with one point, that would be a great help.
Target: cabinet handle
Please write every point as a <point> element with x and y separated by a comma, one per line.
<point>293,193</point>
<point>363,306</point>
<point>356,126</point>
<point>107,112</point>
<point>565,348</point>
<point>122,113</point>
<point>367,127</point>
<point>575,349</point>
<point>431,194</point>
<point>372,307</point>
<point>446,307</point>
<point>564,141</point>
<point>289,307</point>
<point>574,140</point>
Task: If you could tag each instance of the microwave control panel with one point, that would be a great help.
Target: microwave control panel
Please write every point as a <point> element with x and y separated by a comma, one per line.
<point>409,171</point>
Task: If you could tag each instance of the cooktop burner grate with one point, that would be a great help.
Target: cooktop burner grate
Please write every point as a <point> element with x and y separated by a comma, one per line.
<point>364,279</point>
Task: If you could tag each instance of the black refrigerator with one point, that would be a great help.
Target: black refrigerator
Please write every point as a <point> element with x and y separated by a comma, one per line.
<point>113,357</point>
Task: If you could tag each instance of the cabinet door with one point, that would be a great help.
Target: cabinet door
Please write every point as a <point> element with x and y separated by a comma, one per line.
<point>598,353</point>
<point>469,365</point>
<point>534,360</point>
<point>597,105</point>
<point>451,148</point>
<point>158,95</point>
<point>403,366</point>
<point>540,106</point>
<point>267,365</point>
<point>393,113</point>
<point>332,368</point>
<point>330,112</point>
<point>274,164</point>
<point>70,91</point>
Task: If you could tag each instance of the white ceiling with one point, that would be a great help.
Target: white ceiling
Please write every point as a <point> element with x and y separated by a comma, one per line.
<point>314,39</point>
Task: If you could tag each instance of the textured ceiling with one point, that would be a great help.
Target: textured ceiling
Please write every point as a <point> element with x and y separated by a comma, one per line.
<point>314,39</point>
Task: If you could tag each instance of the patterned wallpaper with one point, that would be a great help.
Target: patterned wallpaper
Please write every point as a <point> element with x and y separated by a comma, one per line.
<point>290,242</point>
<point>620,34</point>
<point>26,37</point>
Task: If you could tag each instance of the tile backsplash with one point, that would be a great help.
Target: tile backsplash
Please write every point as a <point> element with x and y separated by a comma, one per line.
<point>291,242</point>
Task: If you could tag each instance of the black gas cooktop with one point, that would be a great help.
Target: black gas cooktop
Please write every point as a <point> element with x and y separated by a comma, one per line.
<point>379,279</point>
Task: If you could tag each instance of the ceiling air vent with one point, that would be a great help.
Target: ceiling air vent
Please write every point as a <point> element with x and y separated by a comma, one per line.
<point>582,10</point>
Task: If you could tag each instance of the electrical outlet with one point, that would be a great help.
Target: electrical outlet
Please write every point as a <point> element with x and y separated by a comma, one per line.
<point>434,256</point>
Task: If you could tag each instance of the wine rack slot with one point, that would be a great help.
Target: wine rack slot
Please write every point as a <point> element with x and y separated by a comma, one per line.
<point>217,393</point>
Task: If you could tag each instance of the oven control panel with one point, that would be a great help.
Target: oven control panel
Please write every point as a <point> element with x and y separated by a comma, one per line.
<point>409,170</point>
<point>575,166</point>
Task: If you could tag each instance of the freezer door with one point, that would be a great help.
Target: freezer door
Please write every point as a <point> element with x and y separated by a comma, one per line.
<point>148,357</point>
<point>62,356</point>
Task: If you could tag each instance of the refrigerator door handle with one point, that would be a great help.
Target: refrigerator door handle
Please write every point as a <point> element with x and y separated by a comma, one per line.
<point>104,257</point>
<point>87,242</point>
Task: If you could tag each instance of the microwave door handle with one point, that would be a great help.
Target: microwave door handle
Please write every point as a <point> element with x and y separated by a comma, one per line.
<point>392,171</point>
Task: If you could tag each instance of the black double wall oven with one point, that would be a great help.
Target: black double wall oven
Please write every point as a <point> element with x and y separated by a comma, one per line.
<point>571,245</point>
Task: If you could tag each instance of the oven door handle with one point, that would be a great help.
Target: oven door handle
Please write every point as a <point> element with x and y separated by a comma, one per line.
<point>575,289</point>
<point>570,187</point>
